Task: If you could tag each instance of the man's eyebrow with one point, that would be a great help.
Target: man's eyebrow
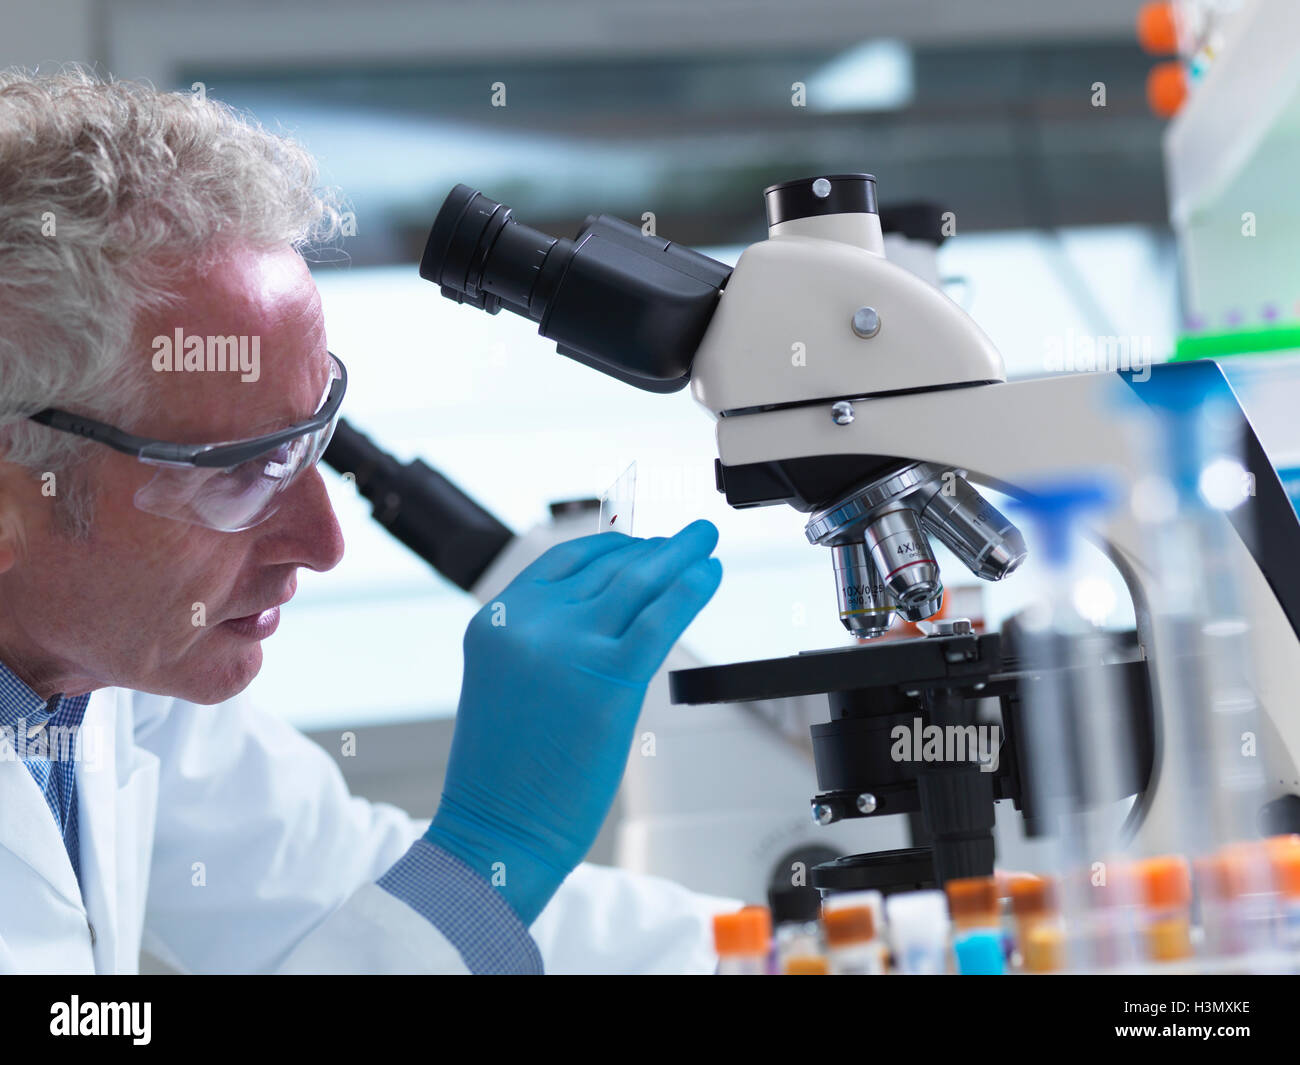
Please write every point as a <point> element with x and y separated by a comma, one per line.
<point>275,424</point>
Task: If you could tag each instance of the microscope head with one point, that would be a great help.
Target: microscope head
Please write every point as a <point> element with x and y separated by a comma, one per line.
<point>816,315</point>
<point>813,318</point>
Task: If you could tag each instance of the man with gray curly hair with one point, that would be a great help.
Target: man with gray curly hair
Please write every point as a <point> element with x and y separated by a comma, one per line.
<point>124,216</point>
<point>165,395</point>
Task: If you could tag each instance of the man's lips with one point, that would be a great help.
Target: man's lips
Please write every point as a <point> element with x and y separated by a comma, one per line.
<point>261,623</point>
<point>255,626</point>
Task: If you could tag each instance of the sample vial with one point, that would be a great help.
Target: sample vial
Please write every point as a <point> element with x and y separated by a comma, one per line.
<point>875,902</point>
<point>800,950</point>
<point>1284,856</point>
<point>918,923</point>
<point>1165,886</point>
<point>1238,902</point>
<point>1040,935</point>
<point>742,940</point>
<point>1109,936</point>
<point>973,904</point>
<point>851,941</point>
<point>976,925</point>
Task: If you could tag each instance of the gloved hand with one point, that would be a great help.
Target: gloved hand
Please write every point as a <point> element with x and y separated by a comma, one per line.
<point>556,669</point>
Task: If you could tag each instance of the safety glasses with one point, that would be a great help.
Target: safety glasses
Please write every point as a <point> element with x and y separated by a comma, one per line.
<point>230,486</point>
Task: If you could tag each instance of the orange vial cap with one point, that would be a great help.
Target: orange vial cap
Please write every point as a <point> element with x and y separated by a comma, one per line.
<point>1165,881</point>
<point>1157,28</point>
<point>1238,869</point>
<point>972,898</point>
<point>851,924</point>
<point>1033,897</point>
<point>1166,88</point>
<point>747,931</point>
<point>1284,853</point>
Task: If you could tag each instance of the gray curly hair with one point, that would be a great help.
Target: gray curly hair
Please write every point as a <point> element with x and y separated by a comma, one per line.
<point>103,184</point>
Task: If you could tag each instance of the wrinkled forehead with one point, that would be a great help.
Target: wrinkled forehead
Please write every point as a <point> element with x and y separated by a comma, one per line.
<point>242,353</point>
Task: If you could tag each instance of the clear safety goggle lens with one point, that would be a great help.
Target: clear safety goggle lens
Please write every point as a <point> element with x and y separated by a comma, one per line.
<point>238,498</point>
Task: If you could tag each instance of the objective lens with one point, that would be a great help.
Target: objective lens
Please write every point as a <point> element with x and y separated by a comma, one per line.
<point>903,556</point>
<point>866,608</point>
<point>921,611</point>
<point>974,530</point>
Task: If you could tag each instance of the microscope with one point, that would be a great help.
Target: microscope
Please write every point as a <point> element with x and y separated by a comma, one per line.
<point>849,389</point>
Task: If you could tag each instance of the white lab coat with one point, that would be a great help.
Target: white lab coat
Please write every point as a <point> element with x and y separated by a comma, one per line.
<point>222,840</point>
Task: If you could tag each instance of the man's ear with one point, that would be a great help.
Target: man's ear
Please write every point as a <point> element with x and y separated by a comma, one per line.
<point>15,487</point>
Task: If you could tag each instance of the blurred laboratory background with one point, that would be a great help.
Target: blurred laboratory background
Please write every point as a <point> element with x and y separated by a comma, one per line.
<point>1074,211</point>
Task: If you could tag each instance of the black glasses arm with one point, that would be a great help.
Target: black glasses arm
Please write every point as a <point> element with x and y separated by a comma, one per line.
<point>209,456</point>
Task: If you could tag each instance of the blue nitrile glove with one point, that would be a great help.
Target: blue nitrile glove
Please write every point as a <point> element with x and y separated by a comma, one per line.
<point>556,669</point>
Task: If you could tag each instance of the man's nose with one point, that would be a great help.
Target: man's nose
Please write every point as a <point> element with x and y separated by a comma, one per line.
<point>305,527</point>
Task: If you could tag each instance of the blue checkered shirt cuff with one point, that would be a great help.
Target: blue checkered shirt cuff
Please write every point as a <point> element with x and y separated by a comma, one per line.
<point>465,908</point>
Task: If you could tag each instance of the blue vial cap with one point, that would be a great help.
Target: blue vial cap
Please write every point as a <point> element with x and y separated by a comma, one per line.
<point>980,954</point>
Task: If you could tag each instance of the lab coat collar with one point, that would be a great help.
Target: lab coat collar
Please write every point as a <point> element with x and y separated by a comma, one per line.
<point>28,829</point>
<point>97,785</point>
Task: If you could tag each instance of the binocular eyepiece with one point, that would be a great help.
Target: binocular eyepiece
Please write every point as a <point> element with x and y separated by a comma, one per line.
<point>614,298</point>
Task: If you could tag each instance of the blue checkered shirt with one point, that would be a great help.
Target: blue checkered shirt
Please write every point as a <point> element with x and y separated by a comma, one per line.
<point>468,911</point>
<point>43,735</point>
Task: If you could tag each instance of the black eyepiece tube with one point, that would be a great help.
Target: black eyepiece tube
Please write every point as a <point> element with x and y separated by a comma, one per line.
<point>421,508</point>
<point>630,305</point>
